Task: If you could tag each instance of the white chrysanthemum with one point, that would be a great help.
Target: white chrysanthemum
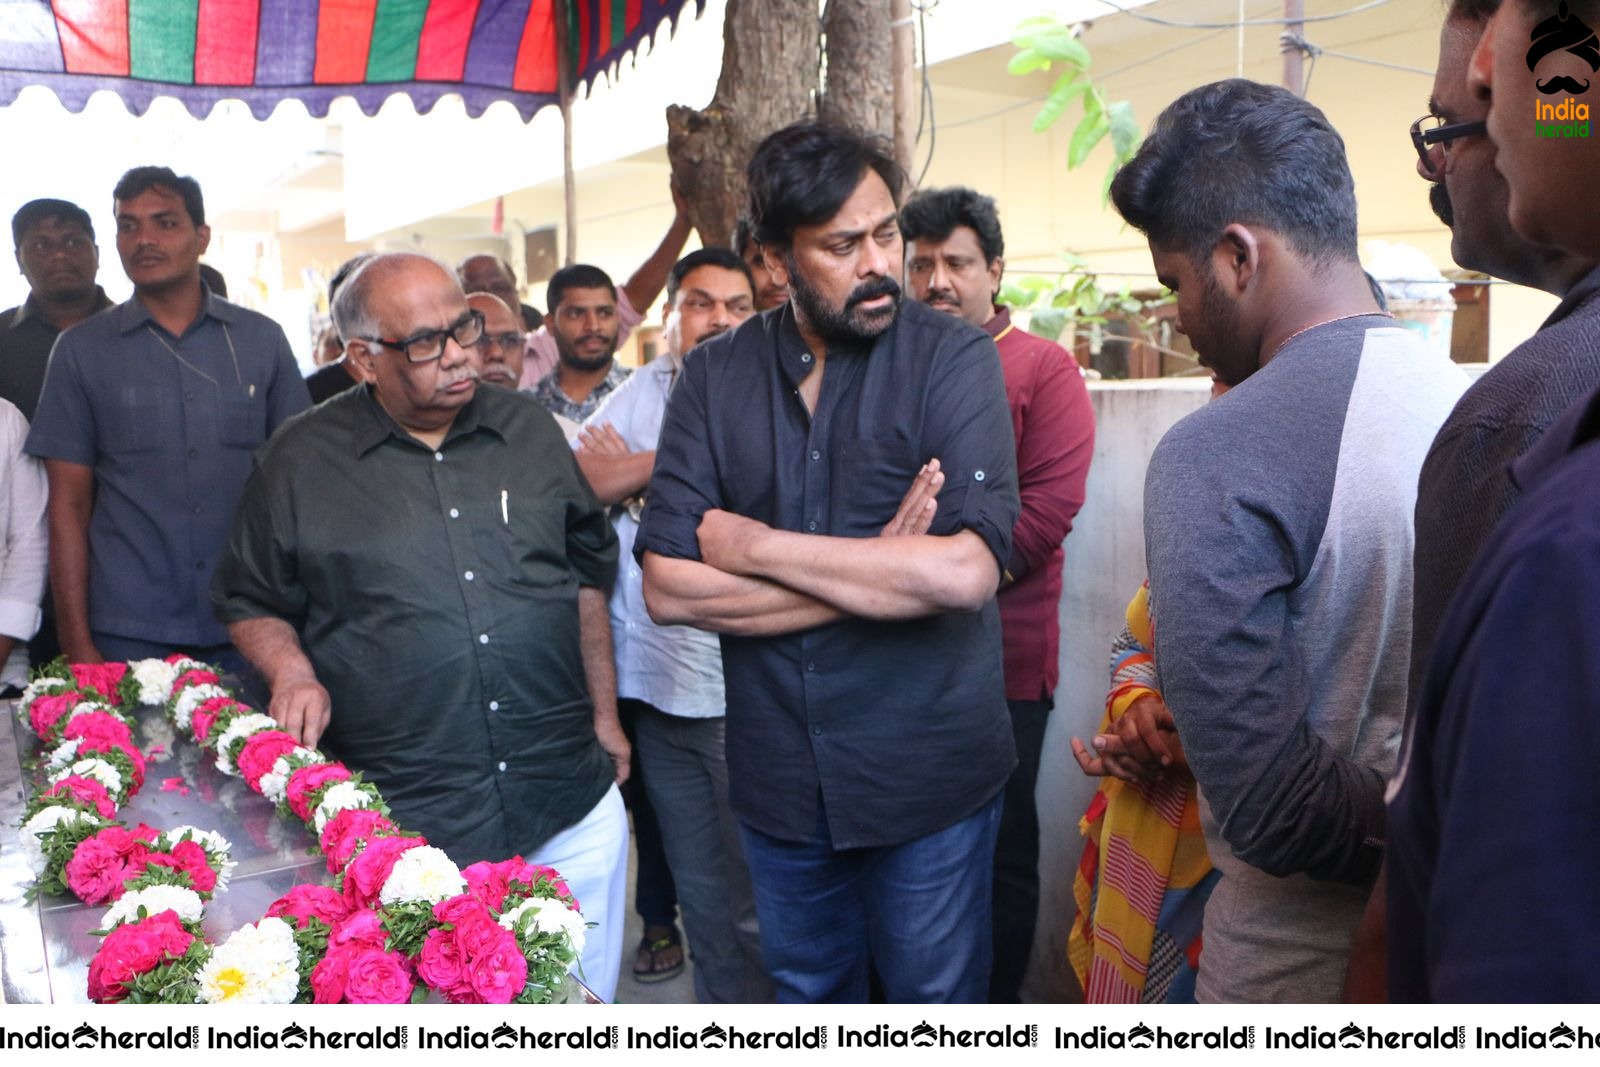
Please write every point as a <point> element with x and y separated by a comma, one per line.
<point>63,754</point>
<point>39,686</point>
<point>340,796</point>
<point>550,917</point>
<point>191,698</point>
<point>43,822</point>
<point>184,663</point>
<point>95,768</point>
<point>423,874</point>
<point>210,840</point>
<point>243,726</point>
<point>155,899</point>
<point>256,965</point>
<point>275,783</point>
<point>89,706</point>
<point>154,678</point>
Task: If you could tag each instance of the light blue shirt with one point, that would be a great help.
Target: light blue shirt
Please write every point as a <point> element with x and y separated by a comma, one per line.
<point>676,669</point>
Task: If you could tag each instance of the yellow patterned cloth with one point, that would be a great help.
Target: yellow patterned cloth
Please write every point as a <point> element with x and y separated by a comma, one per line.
<point>1142,882</point>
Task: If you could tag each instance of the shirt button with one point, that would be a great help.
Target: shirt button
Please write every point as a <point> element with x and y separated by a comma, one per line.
<point>194,453</point>
<point>502,765</point>
<point>467,576</point>
<point>188,396</point>
<point>197,509</point>
<point>977,476</point>
<point>454,514</point>
<point>815,454</point>
<point>805,358</point>
<point>816,731</point>
<point>494,705</point>
<point>199,564</point>
<point>438,457</point>
<point>812,526</point>
<point>811,665</point>
<point>483,639</point>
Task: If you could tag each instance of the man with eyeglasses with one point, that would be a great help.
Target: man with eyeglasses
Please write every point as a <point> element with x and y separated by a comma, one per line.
<point>500,347</point>
<point>149,415</point>
<point>55,250</point>
<point>419,570</point>
<point>1466,484</point>
<point>669,678</point>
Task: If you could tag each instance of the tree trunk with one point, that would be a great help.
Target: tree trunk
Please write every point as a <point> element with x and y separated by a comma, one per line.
<point>769,77</point>
<point>860,89</point>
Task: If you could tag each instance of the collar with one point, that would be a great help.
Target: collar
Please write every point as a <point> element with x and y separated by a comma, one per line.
<point>1578,425</point>
<point>132,314</point>
<point>374,425</point>
<point>1575,297</point>
<point>999,323</point>
<point>30,308</point>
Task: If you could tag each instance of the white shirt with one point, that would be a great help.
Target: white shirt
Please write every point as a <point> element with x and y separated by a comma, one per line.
<point>24,558</point>
<point>676,669</point>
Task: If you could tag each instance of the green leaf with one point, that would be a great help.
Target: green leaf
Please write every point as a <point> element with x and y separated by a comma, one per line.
<point>1048,322</point>
<point>1026,62</point>
<point>1013,296</point>
<point>1089,133</point>
<point>1124,130</point>
<point>1057,43</point>
<point>1068,88</point>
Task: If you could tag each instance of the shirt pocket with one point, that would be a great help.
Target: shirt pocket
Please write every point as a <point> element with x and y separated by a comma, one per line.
<point>875,473</point>
<point>242,422</point>
<point>523,543</point>
<point>139,420</point>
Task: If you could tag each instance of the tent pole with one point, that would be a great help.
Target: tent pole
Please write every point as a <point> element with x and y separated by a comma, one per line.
<point>568,179</point>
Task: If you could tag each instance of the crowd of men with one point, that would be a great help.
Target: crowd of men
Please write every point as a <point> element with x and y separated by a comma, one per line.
<point>794,584</point>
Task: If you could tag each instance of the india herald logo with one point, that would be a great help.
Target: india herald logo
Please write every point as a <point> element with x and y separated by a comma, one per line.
<point>1563,32</point>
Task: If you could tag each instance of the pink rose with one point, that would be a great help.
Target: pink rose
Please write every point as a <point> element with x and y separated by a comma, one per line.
<point>498,971</point>
<point>99,726</point>
<point>307,783</point>
<point>192,677</point>
<point>364,876</point>
<point>191,856</point>
<point>345,832</point>
<point>85,791</point>
<point>477,933</point>
<point>102,678</point>
<point>359,929</point>
<point>46,711</point>
<point>260,752</point>
<point>306,902</point>
<point>101,864</point>
<point>136,763</point>
<point>328,977</point>
<point>456,909</point>
<point>487,882</point>
<point>132,949</point>
<point>440,964</point>
<point>377,977</point>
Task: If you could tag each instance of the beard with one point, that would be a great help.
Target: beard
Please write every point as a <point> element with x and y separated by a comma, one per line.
<point>848,324</point>
<point>581,363</point>
<point>1439,200</point>
<point>1225,352</point>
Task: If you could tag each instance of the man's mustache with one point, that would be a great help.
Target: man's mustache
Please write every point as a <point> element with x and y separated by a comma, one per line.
<point>1563,84</point>
<point>1439,200</point>
<point>882,286</point>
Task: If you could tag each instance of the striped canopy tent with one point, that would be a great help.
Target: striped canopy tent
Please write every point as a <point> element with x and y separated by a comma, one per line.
<point>262,52</point>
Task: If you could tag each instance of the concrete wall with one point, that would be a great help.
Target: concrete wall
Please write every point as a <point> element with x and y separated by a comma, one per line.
<point>1104,565</point>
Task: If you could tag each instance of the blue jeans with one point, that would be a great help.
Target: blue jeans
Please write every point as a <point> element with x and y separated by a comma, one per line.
<point>918,912</point>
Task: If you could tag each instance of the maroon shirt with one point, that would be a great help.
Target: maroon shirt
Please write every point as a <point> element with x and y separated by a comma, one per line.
<point>1053,423</point>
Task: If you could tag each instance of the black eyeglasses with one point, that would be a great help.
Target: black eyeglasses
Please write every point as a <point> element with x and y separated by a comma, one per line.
<point>1432,130</point>
<point>426,346</point>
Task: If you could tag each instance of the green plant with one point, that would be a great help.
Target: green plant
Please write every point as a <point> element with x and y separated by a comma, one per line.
<point>1075,296</point>
<point>1042,43</point>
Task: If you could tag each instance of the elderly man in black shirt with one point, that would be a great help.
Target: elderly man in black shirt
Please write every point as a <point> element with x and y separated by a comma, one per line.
<point>419,567</point>
<point>868,738</point>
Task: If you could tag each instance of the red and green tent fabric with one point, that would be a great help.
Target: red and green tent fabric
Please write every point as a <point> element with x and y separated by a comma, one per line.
<point>314,51</point>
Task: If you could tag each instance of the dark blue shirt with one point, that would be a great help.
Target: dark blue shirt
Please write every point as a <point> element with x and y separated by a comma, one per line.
<point>898,728</point>
<point>168,424</point>
<point>1494,878</point>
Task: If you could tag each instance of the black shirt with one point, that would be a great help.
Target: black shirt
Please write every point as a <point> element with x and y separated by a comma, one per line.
<point>328,381</point>
<point>26,338</point>
<point>436,594</point>
<point>900,728</point>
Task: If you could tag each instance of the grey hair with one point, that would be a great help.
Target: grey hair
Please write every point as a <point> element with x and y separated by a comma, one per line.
<point>352,316</point>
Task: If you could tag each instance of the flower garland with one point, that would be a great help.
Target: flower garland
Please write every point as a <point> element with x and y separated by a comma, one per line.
<point>401,919</point>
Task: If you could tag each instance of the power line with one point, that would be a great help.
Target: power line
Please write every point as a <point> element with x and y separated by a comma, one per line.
<point>1159,21</point>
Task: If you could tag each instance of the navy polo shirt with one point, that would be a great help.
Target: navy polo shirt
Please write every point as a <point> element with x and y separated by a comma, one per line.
<point>898,729</point>
<point>1493,875</point>
<point>169,425</point>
